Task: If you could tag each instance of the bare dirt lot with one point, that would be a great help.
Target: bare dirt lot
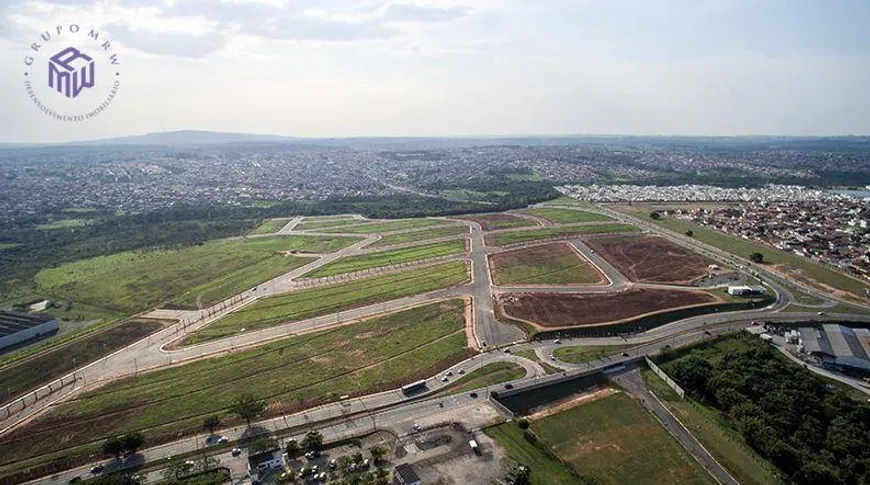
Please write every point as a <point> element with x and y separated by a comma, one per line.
<point>442,455</point>
<point>551,310</point>
<point>651,259</point>
<point>491,222</point>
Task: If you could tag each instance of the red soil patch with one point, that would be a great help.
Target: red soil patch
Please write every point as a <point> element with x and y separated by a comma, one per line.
<point>491,222</point>
<point>651,259</point>
<point>576,310</point>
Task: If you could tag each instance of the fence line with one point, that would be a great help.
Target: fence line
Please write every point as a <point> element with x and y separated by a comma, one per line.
<point>670,382</point>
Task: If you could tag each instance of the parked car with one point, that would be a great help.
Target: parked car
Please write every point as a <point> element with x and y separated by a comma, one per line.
<point>473,395</point>
<point>416,427</point>
<point>460,371</point>
<point>557,341</point>
<point>222,440</point>
<point>236,451</point>
<point>507,350</point>
<point>444,379</point>
<point>75,480</point>
<point>97,469</point>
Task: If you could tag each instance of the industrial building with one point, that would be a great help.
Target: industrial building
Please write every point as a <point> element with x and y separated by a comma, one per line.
<point>840,348</point>
<point>16,327</point>
<point>746,290</point>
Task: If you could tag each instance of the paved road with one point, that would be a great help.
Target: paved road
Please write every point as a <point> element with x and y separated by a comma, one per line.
<point>489,332</point>
<point>632,382</point>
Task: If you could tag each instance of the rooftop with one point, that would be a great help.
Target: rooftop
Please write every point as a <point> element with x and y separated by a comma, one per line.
<point>14,322</point>
<point>407,474</point>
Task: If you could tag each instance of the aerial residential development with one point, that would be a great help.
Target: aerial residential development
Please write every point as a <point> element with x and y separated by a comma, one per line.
<point>406,242</point>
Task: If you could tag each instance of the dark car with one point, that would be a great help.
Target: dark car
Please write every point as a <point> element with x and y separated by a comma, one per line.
<point>473,395</point>
<point>508,386</point>
<point>75,480</point>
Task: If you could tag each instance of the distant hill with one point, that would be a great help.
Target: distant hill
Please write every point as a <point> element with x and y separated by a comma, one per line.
<point>188,137</point>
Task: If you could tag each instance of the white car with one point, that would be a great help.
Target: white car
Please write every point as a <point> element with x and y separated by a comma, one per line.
<point>460,371</point>
<point>222,440</point>
<point>444,379</point>
<point>236,451</point>
<point>416,427</point>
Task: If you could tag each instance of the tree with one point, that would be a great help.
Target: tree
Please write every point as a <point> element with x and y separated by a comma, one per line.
<point>313,441</point>
<point>248,407</point>
<point>175,468</point>
<point>131,442</point>
<point>690,233</point>
<point>206,463</point>
<point>523,423</point>
<point>211,423</point>
<point>757,258</point>
<point>292,449</point>
<point>377,452</point>
<point>113,446</point>
<point>655,215</point>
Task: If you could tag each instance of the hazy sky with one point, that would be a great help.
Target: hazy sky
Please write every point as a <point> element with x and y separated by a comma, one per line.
<point>457,67</point>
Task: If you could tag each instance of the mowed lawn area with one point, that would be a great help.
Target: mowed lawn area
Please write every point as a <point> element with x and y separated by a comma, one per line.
<point>497,220</point>
<point>136,280</point>
<point>556,263</point>
<point>546,469</point>
<point>378,354</point>
<point>317,224</point>
<point>615,440</point>
<point>565,216</point>
<point>385,258</point>
<point>416,236</point>
<point>389,226</point>
<point>511,237</point>
<point>270,226</point>
<point>29,373</point>
<point>313,302</point>
<point>799,268</point>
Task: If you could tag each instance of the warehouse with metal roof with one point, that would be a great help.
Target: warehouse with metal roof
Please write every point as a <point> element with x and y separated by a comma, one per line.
<point>838,347</point>
<point>16,327</point>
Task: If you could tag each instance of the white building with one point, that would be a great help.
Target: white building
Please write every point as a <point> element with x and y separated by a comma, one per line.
<point>746,290</point>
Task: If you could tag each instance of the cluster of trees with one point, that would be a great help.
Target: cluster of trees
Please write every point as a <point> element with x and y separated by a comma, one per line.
<point>123,445</point>
<point>812,431</point>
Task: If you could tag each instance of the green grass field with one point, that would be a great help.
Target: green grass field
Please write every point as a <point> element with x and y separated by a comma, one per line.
<point>390,226</point>
<point>488,375</point>
<point>300,305</point>
<point>511,237</point>
<point>386,258</point>
<point>716,434</point>
<point>615,440</point>
<point>545,468</point>
<point>556,264</point>
<point>383,353</point>
<point>565,216</point>
<point>270,226</point>
<point>19,377</point>
<point>136,280</point>
<point>798,268</point>
<point>578,354</point>
<point>82,312</point>
<point>310,225</point>
<point>416,236</point>
<point>63,224</point>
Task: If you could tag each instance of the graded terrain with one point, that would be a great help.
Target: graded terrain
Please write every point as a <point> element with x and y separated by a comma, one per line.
<point>302,304</point>
<point>567,310</point>
<point>651,259</point>
<point>557,263</point>
<point>135,280</point>
<point>511,237</point>
<point>378,354</point>
<point>495,221</point>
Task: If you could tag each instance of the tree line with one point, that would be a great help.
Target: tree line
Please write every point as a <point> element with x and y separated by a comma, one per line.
<point>809,429</point>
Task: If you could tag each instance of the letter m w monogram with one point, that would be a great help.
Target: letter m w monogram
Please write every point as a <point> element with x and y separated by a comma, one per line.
<point>65,77</point>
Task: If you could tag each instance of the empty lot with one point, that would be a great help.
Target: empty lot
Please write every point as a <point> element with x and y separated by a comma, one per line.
<point>651,259</point>
<point>491,222</point>
<point>556,263</point>
<point>567,310</point>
